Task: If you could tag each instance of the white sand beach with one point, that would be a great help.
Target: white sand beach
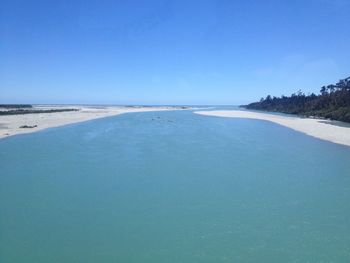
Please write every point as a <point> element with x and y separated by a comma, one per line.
<point>10,124</point>
<point>332,131</point>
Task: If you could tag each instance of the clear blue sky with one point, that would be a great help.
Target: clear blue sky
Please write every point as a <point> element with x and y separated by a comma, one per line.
<point>169,52</point>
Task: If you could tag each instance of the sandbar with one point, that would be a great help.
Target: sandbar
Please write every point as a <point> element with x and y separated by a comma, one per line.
<point>333,131</point>
<point>10,124</point>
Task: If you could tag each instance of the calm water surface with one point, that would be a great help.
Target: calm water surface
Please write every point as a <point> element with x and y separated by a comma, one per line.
<point>173,187</point>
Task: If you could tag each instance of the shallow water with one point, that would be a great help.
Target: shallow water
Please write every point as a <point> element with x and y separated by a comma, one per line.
<point>173,187</point>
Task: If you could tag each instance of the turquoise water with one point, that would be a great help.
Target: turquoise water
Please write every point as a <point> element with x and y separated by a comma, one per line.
<point>173,187</point>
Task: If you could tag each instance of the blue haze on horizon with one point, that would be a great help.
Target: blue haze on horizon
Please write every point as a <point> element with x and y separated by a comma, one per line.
<point>169,52</point>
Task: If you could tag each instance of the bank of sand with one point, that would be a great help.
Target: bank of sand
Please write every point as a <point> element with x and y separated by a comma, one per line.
<point>10,124</point>
<point>333,131</point>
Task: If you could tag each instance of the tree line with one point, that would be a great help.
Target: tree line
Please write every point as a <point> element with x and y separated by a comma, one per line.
<point>333,102</point>
<point>15,106</point>
<point>31,111</point>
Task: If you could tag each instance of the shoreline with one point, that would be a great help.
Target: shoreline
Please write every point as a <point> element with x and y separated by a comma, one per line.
<point>319,128</point>
<point>10,124</point>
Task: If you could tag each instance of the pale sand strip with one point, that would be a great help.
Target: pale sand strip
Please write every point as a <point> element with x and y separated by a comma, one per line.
<point>9,124</point>
<point>321,129</point>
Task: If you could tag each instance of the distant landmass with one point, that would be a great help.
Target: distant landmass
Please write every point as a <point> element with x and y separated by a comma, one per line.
<point>333,102</point>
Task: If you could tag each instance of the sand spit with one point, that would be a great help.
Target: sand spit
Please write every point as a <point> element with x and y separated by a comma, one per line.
<point>332,131</point>
<point>10,124</point>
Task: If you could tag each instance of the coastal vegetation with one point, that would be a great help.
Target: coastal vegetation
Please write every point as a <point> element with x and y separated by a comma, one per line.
<point>28,126</point>
<point>333,102</point>
<point>16,109</point>
<point>15,106</point>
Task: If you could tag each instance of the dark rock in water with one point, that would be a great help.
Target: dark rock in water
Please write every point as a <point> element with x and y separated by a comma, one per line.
<point>28,126</point>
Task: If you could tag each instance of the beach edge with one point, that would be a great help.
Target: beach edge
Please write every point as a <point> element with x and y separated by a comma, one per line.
<point>317,128</point>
